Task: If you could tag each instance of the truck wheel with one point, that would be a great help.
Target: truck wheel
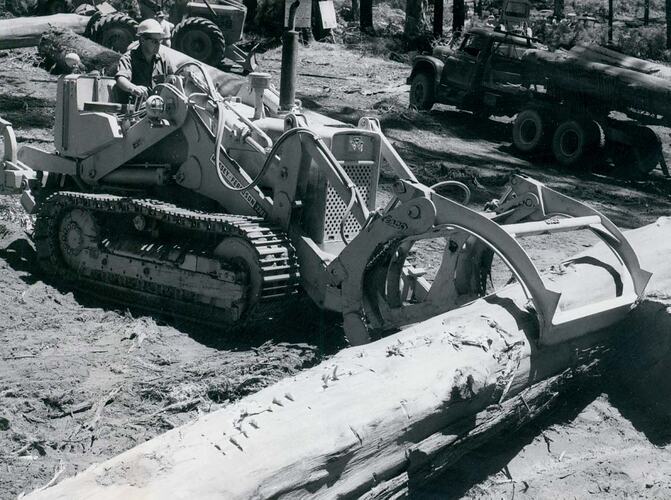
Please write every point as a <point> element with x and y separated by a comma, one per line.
<point>639,158</point>
<point>201,39</point>
<point>115,31</point>
<point>529,130</point>
<point>569,141</point>
<point>422,91</point>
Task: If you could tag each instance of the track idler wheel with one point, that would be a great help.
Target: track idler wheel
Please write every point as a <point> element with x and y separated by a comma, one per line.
<point>242,256</point>
<point>78,237</point>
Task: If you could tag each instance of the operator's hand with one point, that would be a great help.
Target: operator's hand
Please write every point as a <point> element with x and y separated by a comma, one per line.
<point>140,91</point>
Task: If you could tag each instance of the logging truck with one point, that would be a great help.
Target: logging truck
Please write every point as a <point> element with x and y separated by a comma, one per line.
<point>572,103</point>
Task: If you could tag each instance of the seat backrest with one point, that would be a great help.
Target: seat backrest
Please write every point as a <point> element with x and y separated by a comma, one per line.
<point>94,88</point>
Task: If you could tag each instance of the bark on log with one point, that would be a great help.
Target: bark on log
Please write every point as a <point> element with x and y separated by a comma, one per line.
<point>374,419</point>
<point>26,31</point>
<point>57,42</point>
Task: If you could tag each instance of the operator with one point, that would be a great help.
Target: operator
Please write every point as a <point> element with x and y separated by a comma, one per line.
<point>144,62</point>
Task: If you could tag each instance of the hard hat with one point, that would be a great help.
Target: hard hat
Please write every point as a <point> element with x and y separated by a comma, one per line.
<point>150,28</point>
<point>161,13</point>
<point>72,60</point>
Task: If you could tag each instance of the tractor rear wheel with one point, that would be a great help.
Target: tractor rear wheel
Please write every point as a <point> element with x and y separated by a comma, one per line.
<point>530,130</point>
<point>201,39</point>
<point>422,95</point>
<point>115,31</point>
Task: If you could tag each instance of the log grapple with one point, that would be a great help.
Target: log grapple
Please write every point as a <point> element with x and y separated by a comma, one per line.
<point>226,206</point>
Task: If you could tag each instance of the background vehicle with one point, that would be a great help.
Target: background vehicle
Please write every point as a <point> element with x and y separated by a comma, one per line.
<point>207,31</point>
<point>563,101</point>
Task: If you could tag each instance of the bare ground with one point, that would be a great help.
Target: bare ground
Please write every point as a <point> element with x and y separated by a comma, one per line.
<point>82,380</point>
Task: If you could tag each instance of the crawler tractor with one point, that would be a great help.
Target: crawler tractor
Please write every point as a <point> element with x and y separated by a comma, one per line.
<point>225,206</point>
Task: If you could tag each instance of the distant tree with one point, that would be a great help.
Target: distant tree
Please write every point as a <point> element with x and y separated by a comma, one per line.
<point>610,21</point>
<point>438,18</point>
<point>646,12</point>
<point>414,18</point>
<point>559,9</point>
<point>366,15</point>
<point>459,15</point>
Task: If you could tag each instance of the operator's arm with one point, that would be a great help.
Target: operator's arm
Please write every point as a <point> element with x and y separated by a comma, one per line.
<point>124,75</point>
<point>134,90</point>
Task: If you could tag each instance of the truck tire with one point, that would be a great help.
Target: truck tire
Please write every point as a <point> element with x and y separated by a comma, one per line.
<point>115,31</point>
<point>570,141</point>
<point>201,39</point>
<point>639,158</point>
<point>422,92</point>
<point>530,130</point>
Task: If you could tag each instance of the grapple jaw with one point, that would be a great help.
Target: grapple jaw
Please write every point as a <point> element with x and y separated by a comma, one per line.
<point>383,292</point>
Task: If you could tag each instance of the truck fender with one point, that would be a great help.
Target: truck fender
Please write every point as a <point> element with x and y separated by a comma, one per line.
<point>428,64</point>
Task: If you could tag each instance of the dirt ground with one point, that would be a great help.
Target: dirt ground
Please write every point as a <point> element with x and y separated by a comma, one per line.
<point>82,380</point>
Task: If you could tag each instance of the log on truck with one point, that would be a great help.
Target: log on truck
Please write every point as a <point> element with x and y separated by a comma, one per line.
<point>562,101</point>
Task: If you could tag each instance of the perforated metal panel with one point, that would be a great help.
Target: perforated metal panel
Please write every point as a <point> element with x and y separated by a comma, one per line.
<point>361,174</point>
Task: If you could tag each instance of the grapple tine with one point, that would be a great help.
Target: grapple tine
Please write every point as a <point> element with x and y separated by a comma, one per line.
<point>542,213</point>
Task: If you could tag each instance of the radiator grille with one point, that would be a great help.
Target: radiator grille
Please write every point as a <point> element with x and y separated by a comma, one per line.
<point>361,175</point>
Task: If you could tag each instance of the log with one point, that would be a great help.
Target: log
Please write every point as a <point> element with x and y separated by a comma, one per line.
<point>374,420</point>
<point>26,31</point>
<point>57,42</point>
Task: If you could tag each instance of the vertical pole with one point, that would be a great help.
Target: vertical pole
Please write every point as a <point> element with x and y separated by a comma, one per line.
<point>610,21</point>
<point>438,16</point>
<point>668,24</point>
<point>289,58</point>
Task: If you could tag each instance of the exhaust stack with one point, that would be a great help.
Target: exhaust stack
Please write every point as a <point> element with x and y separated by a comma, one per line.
<point>289,56</point>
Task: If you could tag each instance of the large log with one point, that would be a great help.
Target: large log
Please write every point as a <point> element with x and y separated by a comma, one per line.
<point>376,419</point>
<point>57,42</point>
<point>26,31</point>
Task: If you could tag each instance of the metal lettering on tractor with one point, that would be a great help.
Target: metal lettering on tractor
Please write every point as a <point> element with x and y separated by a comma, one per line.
<point>233,181</point>
<point>395,223</point>
<point>356,144</point>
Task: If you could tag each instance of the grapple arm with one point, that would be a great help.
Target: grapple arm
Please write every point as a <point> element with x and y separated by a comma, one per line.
<point>371,296</point>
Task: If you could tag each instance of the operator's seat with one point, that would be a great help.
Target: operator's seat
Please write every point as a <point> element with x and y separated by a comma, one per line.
<point>85,111</point>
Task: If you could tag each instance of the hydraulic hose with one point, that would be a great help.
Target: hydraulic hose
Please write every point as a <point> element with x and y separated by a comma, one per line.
<point>461,185</point>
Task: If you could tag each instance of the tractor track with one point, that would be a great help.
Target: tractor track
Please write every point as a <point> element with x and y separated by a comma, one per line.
<point>274,253</point>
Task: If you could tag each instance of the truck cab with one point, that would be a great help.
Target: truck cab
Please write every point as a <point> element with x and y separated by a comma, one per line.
<point>481,71</point>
